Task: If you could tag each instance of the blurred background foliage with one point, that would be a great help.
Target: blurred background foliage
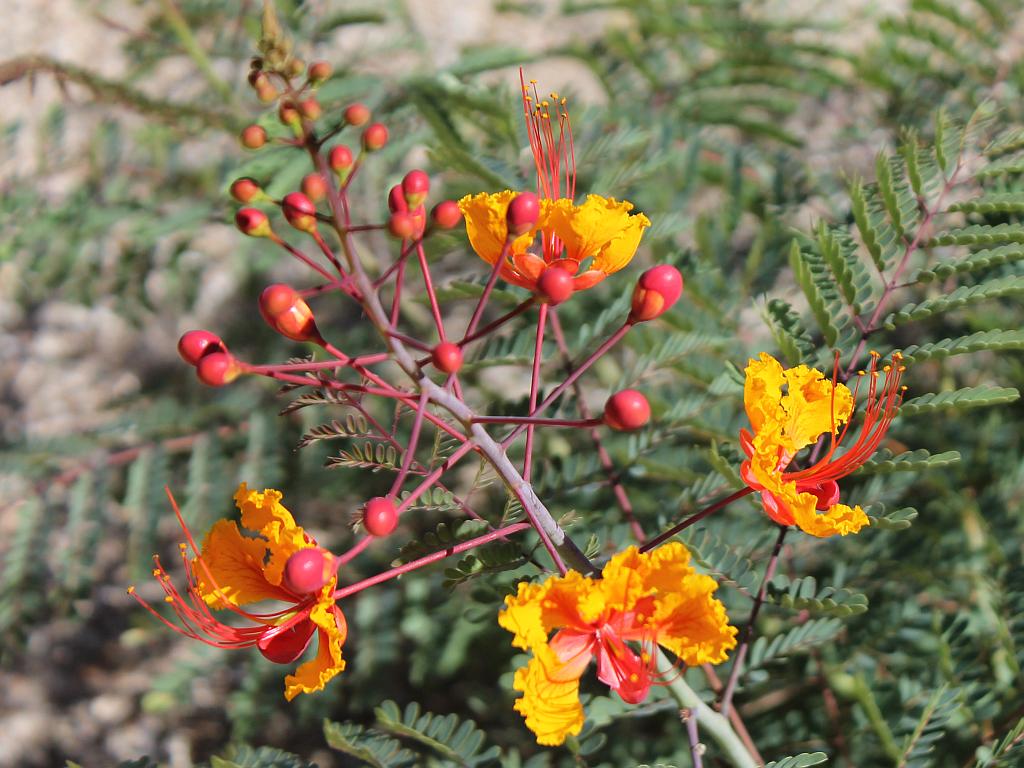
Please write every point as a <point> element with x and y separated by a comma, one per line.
<point>781,149</point>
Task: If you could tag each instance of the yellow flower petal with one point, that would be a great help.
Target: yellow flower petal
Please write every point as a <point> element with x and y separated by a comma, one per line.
<point>232,568</point>
<point>811,410</point>
<point>316,673</point>
<point>839,519</point>
<point>264,514</point>
<point>600,228</point>
<point>486,224</point>
<point>551,708</point>
<point>537,609</point>
<point>762,391</point>
<point>692,623</point>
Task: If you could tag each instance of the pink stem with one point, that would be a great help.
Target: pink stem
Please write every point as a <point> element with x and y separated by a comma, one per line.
<point>434,475</point>
<point>473,336</point>
<point>695,519</point>
<point>429,285</point>
<point>482,302</point>
<point>301,257</point>
<point>537,422</point>
<point>354,552</point>
<point>538,351</point>
<point>431,558</point>
<point>410,449</point>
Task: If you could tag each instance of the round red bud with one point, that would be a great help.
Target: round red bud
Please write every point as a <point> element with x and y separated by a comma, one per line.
<point>288,313</point>
<point>252,222</point>
<point>194,345</point>
<point>254,137</point>
<point>340,158</point>
<point>318,72</point>
<point>554,285</point>
<point>308,570</point>
<point>396,200</point>
<point>300,211</point>
<point>523,213</point>
<point>266,92</point>
<point>357,114</point>
<point>314,186</point>
<point>447,357</point>
<point>627,410</point>
<point>288,114</point>
<point>415,186</point>
<point>245,190</point>
<point>217,369</point>
<point>310,109</point>
<point>380,516</point>
<point>255,77</point>
<point>656,291</point>
<point>446,214</point>
<point>402,225</point>
<point>375,137</point>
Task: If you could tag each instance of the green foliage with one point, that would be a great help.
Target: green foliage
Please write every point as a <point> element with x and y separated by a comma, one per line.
<point>799,761</point>
<point>803,594</point>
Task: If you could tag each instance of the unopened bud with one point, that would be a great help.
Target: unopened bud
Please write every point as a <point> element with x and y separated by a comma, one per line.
<point>380,516</point>
<point>253,222</point>
<point>288,313</point>
<point>396,200</point>
<point>253,137</point>
<point>627,410</point>
<point>310,109</point>
<point>375,137</point>
<point>523,212</point>
<point>314,186</point>
<point>340,158</point>
<point>656,291</point>
<point>415,186</point>
<point>194,345</point>
<point>446,214</point>
<point>447,357</point>
<point>319,71</point>
<point>308,570</point>
<point>296,67</point>
<point>555,285</point>
<point>217,369</point>
<point>300,211</point>
<point>402,225</point>
<point>357,114</point>
<point>266,92</point>
<point>288,114</point>
<point>245,190</point>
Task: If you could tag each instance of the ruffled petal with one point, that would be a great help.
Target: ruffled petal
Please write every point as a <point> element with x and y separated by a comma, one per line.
<point>550,706</point>
<point>537,609</point>
<point>332,629</point>
<point>600,228</point>
<point>811,409</point>
<point>762,391</point>
<point>692,623</point>
<point>839,518</point>
<point>264,514</point>
<point>487,226</point>
<point>230,569</point>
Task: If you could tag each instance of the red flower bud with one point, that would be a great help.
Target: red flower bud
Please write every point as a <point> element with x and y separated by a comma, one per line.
<point>522,214</point>
<point>554,285</point>
<point>396,200</point>
<point>296,67</point>
<point>415,186</point>
<point>447,357</point>
<point>627,410</point>
<point>402,225</point>
<point>375,137</point>
<point>357,114</point>
<point>245,190</point>
<point>254,137</point>
<point>310,109</point>
<point>285,642</point>
<point>266,92</point>
<point>340,158</point>
<point>288,114</point>
<point>446,214</point>
<point>308,570</point>
<point>380,516</point>
<point>300,211</point>
<point>194,345</point>
<point>318,72</point>
<point>288,313</point>
<point>252,222</point>
<point>217,369</point>
<point>314,186</point>
<point>656,291</point>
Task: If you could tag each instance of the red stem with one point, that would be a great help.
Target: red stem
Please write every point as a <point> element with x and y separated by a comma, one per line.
<point>538,351</point>
<point>668,534</point>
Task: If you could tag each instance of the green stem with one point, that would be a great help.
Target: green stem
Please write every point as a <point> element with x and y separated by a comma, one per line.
<point>179,25</point>
<point>863,695</point>
<point>711,722</point>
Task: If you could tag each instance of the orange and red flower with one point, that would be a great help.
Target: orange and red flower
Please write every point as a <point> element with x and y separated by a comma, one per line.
<point>641,601</point>
<point>590,241</point>
<point>234,569</point>
<point>790,409</point>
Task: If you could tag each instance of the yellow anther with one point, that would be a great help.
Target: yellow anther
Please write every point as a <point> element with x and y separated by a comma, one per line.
<point>874,354</point>
<point>156,572</point>
<point>545,103</point>
<point>903,388</point>
<point>902,368</point>
<point>131,590</point>
<point>546,116</point>
<point>887,368</point>
<point>564,101</point>
<point>533,82</point>
<point>183,546</point>
<point>529,98</point>
<point>553,94</point>
<point>168,599</point>
<point>861,373</point>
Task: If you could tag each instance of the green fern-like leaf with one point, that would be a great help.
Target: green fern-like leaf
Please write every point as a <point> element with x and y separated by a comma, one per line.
<point>796,640</point>
<point>981,234</point>
<point>994,340</point>
<point>459,741</point>
<point>960,399</point>
<point>897,520</point>
<point>790,335</point>
<point>917,750</point>
<point>262,757</point>
<point>803,760</point>
<point>803,595</point>
<point>1011,285</point>
<point>442,537</point>
<point>884,462</point>
<point>374,749</point>
<point>798,261</point>
<point>720,559</point>
<point>976,262</point>
<point>366,456</point>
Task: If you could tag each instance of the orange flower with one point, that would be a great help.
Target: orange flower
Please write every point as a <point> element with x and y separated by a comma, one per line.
<point>791,409</point>
<point>600,230</point>
<point>642,600</point>
<point>236,569</point>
